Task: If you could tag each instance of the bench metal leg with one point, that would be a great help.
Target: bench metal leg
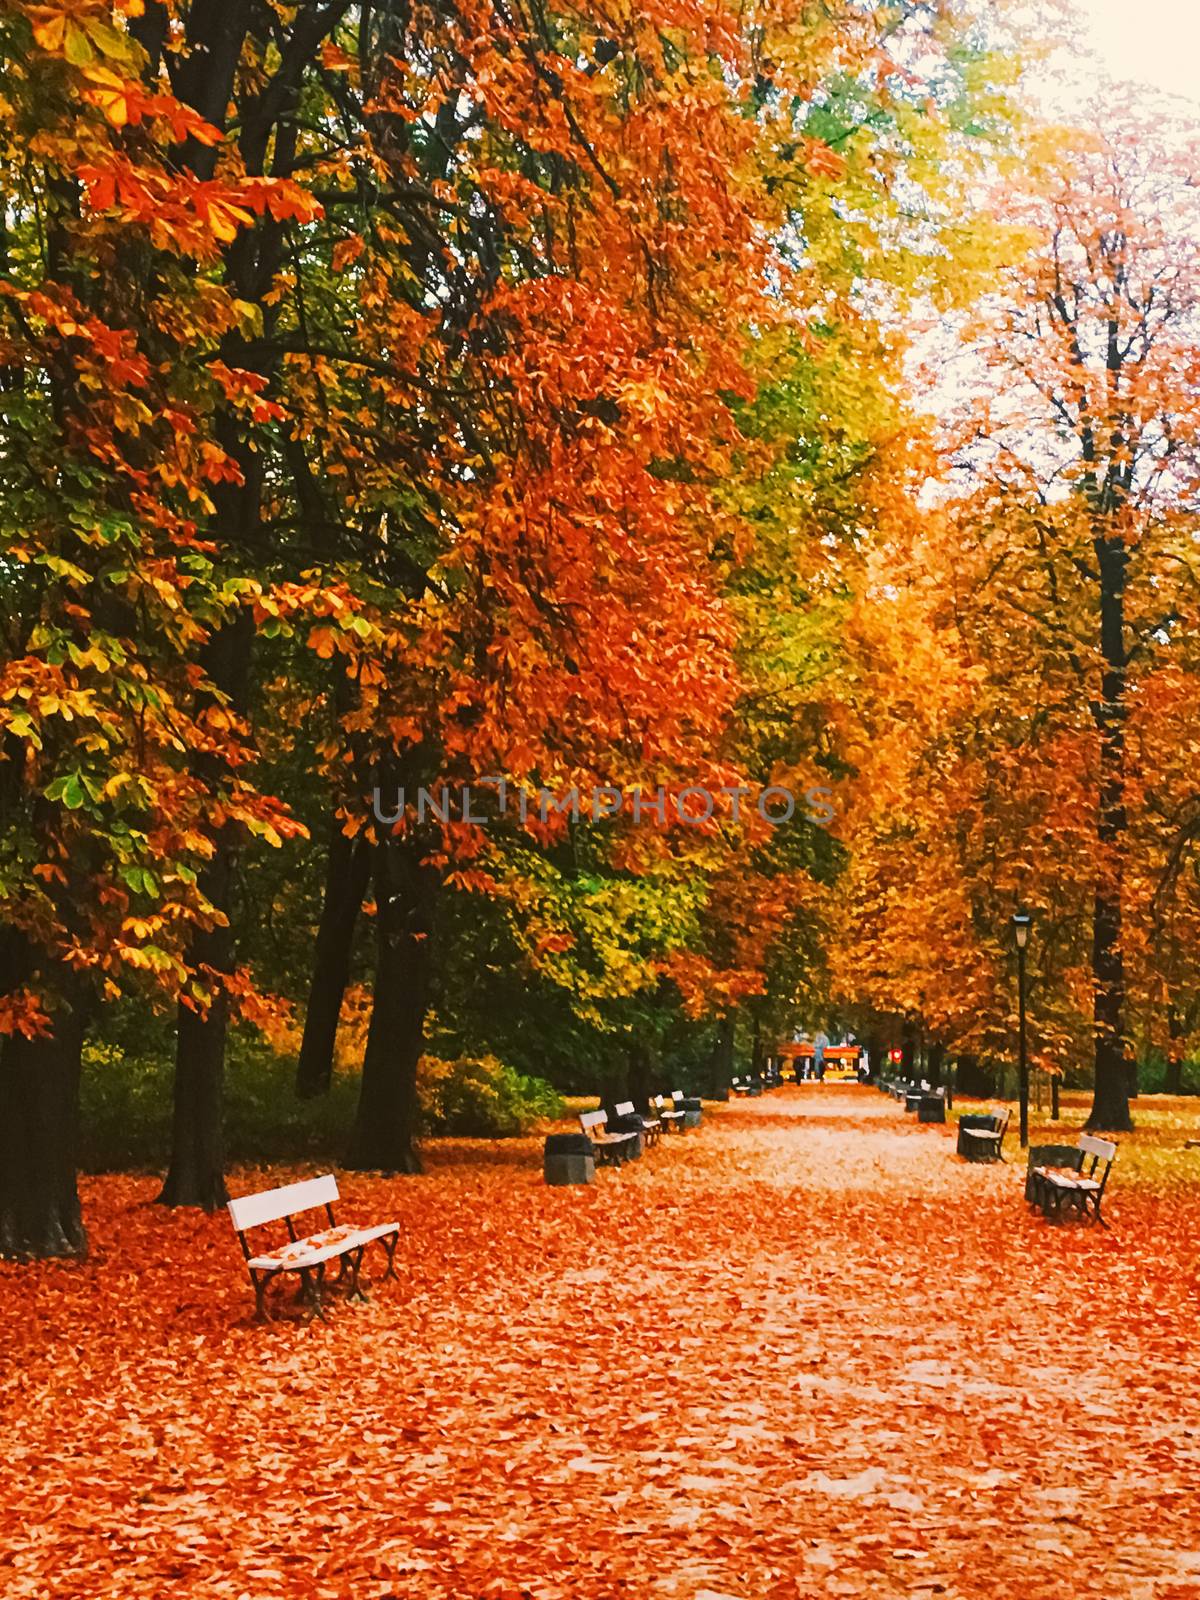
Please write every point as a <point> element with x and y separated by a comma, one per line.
<point>349,1266</point>
<point>312,1280</point>
<point>389,1242</point>
<point>260,1281</point>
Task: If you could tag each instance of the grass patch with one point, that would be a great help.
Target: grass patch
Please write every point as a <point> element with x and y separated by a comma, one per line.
<point>1151,1158</point>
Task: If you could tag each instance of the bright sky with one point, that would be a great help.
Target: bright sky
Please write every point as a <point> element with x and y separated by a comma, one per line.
<point>1150,41</point>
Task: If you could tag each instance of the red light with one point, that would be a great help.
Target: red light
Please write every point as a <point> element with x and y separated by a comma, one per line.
<point>895,1055</point>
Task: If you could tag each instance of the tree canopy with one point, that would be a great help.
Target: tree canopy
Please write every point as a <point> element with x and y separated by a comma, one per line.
<point>580,539</point>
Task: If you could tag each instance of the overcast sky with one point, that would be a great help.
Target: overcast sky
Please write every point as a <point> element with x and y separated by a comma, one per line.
<point>1151,41</point>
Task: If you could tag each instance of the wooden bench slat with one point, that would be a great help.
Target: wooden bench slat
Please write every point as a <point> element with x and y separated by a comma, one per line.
<point>253,1210</point>
<point>309,1251</point>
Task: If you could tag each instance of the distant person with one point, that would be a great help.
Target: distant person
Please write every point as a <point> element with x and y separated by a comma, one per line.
<point>800,1062</point>
<point>820,1045</point>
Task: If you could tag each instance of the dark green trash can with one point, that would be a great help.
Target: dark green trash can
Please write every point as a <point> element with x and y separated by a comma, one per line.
<point>931,1108</point>
<point>568,1158</point>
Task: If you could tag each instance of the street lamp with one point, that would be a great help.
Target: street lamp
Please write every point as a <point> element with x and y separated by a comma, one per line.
<point>1021,923</point>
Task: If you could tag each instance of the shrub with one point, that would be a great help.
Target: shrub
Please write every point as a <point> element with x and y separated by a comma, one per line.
<point>481,1098</point>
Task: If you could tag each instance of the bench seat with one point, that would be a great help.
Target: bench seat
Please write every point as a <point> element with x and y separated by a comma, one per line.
<point>318,1247</point>
<point>671,1118</point>
<point>981,1135</point>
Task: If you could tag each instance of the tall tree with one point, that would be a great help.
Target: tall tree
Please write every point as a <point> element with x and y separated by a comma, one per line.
<point>106,458</point>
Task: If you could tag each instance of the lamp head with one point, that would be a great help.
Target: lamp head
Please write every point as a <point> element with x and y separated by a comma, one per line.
<point>1021,924</point>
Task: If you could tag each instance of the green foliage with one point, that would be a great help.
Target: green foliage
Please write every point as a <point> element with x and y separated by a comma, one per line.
<point>126,1109</point>
<point>126,1106</point>
<point>482,1098</point>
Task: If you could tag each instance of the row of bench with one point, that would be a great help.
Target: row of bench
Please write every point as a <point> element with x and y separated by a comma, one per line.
<point>308,1256</point>
<point>929,1103</point>
<point>628,1135</point>
<point>1056,1180</point>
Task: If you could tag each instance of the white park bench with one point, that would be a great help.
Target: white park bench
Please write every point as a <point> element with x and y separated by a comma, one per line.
<point>307,1255</point>
<point>689,1109</point>
<point>669,1114</point>
<point>651,1126</point>
<point>1081,1189</point>
<point>611,1148</point>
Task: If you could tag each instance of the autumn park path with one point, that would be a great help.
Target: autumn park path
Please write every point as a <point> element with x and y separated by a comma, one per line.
<point>803,1351</point>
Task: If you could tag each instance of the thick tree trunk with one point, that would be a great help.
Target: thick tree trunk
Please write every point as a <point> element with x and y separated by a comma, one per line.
<point>196,1175</point>
<point>39,1128</point>
<point>384,1137</point>
<point>206,77</point>
<point>1110,1104</point>
<point>347,873</point>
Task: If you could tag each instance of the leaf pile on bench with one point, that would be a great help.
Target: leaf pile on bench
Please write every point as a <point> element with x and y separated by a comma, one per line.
<point>1056,1178</point>
<point>307,1255</point>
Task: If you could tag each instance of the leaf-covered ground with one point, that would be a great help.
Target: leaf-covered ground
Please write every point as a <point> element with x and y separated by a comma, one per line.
<point>801,1351</point>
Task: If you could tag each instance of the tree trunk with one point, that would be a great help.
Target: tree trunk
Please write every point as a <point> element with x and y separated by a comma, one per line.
<point>39,1129</point>
<point>937,1058</point>
<point>196,1175</point>
<point>1110,1104</point>
<point>970,1077</point>
<point>1173,1080</point>
<point>384,1137</point>
<point>196,1171</point>
<point>873,1046</point>
<point>908,1049</point>
<point>720,1062</point>
<point>347,874</point>
<point>638,1076</point>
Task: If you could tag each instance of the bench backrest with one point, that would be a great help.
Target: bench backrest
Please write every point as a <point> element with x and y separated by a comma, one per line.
<point>624,1108</point>
<point>1098,1149</point>
<point>593,1119</point>
<point>677,1096</point>
<point>1056,1155</point>
<point>253,1210</point>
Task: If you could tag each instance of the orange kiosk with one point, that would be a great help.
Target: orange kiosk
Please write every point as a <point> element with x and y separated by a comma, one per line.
<point>841,1060</point>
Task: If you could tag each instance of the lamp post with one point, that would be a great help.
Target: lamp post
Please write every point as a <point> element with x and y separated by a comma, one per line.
<point>1021,922</point>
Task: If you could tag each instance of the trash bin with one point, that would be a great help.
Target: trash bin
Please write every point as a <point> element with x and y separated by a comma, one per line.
<point>633,1124</point>
<point>568,1158</point>
<point>931,1107</point>
<point>691,1108</point>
